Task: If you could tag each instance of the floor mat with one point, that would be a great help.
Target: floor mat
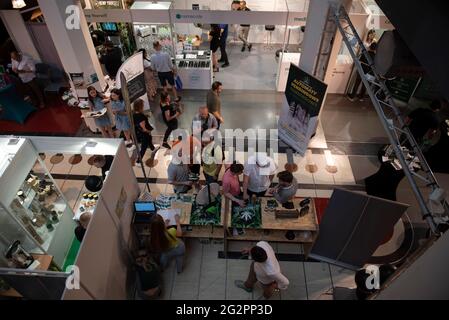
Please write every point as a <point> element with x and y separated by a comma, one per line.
<point>71,255</point>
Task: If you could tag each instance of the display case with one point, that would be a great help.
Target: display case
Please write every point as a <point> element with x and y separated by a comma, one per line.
<point>33,204</point>
<point>195,69</point>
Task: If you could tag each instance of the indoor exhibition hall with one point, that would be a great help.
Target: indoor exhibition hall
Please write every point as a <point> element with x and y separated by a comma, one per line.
<point>224,151</point>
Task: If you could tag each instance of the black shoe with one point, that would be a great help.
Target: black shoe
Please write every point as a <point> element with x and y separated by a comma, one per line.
<point>221,60</point>
<point>243,48</point>
<point>351,98</point>
<point>225,65</point>
<point>179,98</point>
<point>249,47</point>
<point>166,145</point>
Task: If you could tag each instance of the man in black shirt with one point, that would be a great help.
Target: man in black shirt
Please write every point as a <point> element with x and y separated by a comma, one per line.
<point>244,28</point>
<point>112,59</point>
<point>423,122</point>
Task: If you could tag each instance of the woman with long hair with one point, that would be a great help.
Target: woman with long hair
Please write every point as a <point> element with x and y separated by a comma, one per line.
<point>143,129</point>
<point>122,122</point>
<point>166,242</point>
<point>97,103</point>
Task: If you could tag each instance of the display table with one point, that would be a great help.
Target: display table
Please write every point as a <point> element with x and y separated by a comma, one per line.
<point>274,229</point>
<point>12,106</point>
<point>45,263</point>
<point>196,231</point>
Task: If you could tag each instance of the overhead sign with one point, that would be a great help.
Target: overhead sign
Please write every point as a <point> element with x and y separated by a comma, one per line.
<point>304,95</point>
<point>107,15</point>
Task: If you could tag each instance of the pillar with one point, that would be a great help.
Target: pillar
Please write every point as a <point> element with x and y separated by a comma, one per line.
<point>18,31</point>
<point>74,45</point>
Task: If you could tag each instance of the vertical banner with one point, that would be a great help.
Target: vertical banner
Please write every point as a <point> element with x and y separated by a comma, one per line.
<point>133,71</point>
<point>303,99</point>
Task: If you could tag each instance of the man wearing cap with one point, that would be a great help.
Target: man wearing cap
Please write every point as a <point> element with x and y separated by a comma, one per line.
<point>258,175</point>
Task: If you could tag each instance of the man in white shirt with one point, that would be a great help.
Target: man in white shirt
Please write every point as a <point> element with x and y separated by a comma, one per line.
<point>265,269</point>
<point>258,175</point>
<point>25,67</point>
<point>161,62</point>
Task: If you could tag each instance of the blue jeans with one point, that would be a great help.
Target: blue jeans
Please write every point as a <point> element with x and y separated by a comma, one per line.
<point>177,253</point>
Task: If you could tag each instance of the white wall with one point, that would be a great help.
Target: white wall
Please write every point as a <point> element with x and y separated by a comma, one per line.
<point>427,278</point>
<point>102,259</point>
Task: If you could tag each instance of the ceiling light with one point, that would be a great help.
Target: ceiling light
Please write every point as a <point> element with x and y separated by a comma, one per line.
<point>18,4</point>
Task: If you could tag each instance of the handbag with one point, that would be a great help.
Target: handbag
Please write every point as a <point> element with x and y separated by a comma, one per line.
<point>178,83</point>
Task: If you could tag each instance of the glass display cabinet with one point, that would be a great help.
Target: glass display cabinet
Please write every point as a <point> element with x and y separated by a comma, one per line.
<point>33,208</point>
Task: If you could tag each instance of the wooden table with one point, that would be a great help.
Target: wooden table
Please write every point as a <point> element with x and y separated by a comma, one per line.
<point>272,229</point>
<point>45,262</point>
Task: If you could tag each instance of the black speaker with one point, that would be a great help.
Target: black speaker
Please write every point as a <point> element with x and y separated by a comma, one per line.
<point>394,58</point>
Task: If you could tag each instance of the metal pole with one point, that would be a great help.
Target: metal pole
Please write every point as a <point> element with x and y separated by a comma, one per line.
<point>125,94</point>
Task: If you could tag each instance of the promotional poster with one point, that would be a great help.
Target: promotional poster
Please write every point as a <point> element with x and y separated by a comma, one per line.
<point>303,99</point>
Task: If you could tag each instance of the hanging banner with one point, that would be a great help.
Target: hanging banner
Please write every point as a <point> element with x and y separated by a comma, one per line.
<point>133,70</point>
<point>303,99</point>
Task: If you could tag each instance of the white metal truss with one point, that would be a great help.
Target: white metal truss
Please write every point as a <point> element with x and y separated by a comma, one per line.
<point>392,121</point>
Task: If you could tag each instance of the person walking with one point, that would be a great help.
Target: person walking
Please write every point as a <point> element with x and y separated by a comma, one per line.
<point>214,101</point>
<point>265,269</point>
<point>170,114</point>
<point>224,28</point>
<point>244,29</point>
<point>122,122</point>
<point>25,68</point>
<point>162,64</point>
<point>143,129</point>
<point>150,81</point>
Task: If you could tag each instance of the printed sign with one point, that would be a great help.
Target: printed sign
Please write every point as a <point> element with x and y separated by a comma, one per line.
<point>133,70</point>
<point>303,99</point>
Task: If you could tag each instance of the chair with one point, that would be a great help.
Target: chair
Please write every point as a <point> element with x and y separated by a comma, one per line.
<point>51,78</point>
<point>14,108</point>
<point>270,29</point>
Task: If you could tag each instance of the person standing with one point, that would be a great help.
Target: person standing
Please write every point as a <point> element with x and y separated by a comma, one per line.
<point>265,268</point>
<point>258,175</point>
<point>423,122</point>
<point>366,69</point>
<point>97,103</point>
<point>143,129</point>
<point>122,122</point>
<point>244,28</point>
<point>231,184</point>
<point>214,101</point>
<point>170,114</point>
<point>286,189</point>
<point>162,64</point>
<point>214,39</point>
<point>112,59</point>
<point>150,81</point>
<point>25,67</point>
<point>203,121</point>
<point>224,28</point>
<point>178,174</point>
<point>212,156</point>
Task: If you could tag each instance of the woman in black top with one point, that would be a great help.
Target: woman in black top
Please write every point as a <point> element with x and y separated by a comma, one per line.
<point>214,38</point>
<point>143,128</point>
<point>170,114</point>
<point>149,278</point>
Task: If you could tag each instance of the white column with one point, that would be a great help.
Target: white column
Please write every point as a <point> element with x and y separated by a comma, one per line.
<point>18,31</point>
<point>74,46</point>
<point>315,25</point>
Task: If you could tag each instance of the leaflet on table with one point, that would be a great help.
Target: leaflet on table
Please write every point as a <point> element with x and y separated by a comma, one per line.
<point>169,214</point>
